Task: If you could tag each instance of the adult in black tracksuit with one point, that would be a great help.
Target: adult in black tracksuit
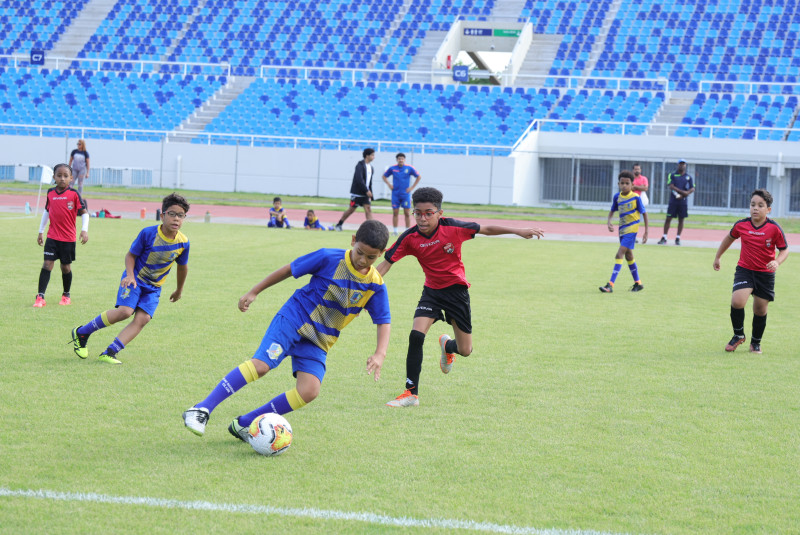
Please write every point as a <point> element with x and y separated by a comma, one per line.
<point>361,188</point>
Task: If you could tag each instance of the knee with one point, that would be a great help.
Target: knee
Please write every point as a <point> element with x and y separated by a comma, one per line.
<point>416,338</point>
<point>143,318</point>
<point>308,392</point>
<point>465,352</point>
<point>66,268</point>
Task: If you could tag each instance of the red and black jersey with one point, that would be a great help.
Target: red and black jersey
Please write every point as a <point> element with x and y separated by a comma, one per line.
<point>439,254</point>
<point>64,207</point>
<point>758,243</point>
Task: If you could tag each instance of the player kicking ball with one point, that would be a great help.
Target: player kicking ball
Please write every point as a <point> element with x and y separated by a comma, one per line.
<point>436,243</point>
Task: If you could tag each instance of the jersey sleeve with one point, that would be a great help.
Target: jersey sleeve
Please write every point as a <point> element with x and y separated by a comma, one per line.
<point>82,205</point>
<point>780,238</point>
<point>183,258</point>
<point>614,204</point>
<point>378,306</point>
<point>414,172</point>
<point>308,264</point>
<point>640,205</point>
<point>387,173</point>
<point>398,250</point>
<point>466,229</point>
<point>139,244</point>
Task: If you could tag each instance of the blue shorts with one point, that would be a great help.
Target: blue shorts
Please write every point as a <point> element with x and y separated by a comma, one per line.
<point>282,340</point>
<point>676,208</point>
<point>143,296</point>
<point>628,240</point>
<point>401,200</point>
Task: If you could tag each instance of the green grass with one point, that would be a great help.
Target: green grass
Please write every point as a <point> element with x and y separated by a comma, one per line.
<point>577,410</point>
<point>557,212</point>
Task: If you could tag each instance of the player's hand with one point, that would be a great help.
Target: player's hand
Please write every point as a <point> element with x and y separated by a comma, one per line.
<point>610,227</point>
<point>246,300</point>
<point>84,237</point>
<point>772,265</point>
<point>716,264</point>
<point>408,189</point>
<point>369,194</point>
<point>40,239</point>
<point>128,280</point>
<point>644,237</point>
<point>374,363</point>
<point>176,295</point>
<point>529,233</point>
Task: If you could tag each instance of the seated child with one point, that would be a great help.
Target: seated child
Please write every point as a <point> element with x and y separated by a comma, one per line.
<point>312,223</point>
<point>277,215</point>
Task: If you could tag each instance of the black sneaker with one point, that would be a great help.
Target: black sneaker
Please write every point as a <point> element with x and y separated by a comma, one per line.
<point>338,227</point>
<point>755,347</point>
<point>662,241</point>
<point>735,342</point>
<point>242,433</point>
<point>608,288</point>
<point>637,287</point>
<point>677,241</point>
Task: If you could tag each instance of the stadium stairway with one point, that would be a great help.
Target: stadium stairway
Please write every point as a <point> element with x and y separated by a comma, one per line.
<point>538,60</point>
<point>82,28</point>
<point>673,112</point>
<point>600,43</point>
<point>211,108</point>
<point>423,59</point>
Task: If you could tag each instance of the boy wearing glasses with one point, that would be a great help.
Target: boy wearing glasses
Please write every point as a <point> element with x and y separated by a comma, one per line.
<point>147,265</point>
<point>436,242</point>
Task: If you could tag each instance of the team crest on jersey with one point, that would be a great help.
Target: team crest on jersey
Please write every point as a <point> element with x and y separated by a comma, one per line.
<point>769,243</point>
<point>449,249</point>
<point>355,297</point>
<point>70,205</point>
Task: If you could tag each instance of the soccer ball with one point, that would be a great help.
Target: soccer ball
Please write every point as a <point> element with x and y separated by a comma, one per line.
<point>270,434</point>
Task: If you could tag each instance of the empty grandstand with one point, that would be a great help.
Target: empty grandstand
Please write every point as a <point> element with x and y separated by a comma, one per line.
<point>645,79</point>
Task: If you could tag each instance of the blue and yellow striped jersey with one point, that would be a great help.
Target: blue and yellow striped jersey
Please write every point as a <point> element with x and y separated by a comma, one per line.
<point>630,207</point>
<point>155,254</point>
<point>334,296</point>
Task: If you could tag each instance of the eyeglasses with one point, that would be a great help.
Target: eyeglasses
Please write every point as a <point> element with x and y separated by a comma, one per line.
<point>425,215</point>
<point>179,215</point>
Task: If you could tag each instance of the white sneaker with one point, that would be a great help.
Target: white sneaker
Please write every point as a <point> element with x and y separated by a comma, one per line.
<point>406,399</point>
<point>447,359</point>
<point>196,418</point>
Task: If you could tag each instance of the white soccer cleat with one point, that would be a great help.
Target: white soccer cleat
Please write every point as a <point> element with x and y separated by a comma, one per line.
<point>406,399</point>
<point>447,359</point>
<point>196,418</point>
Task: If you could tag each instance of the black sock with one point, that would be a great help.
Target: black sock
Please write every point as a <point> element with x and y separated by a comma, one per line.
<point>66,278</point>
<point>44,280</point>
<point>414,360</point>
<point>339,224</point>
<point>451,346</point>
<point>737,320</point>
<point>759,324</point>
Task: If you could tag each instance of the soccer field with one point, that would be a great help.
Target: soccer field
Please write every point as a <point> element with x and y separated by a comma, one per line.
<point>578,412</point>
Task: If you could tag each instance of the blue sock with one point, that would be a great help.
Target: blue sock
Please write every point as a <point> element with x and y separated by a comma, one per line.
<point>95,325</point>
<point>279,405</point>
<point>226,388</point>
<point>617,267</point>
<point>115,347</point>
<point>634,270</point>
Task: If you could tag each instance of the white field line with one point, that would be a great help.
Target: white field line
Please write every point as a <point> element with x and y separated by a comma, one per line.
<point>317,514</point>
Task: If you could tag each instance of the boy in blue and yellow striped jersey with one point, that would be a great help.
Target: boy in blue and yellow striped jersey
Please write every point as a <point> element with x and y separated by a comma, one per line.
<point>343,282</point>
<point>147,265</point>
<point>631,211</point>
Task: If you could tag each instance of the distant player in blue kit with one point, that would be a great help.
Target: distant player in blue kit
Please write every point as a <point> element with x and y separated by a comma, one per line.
<point>631,211</point>
<point>343,283</point>
<point>277,215</point>
<point>312,223</point>
<point>681,185</point>
<point>755,271</point>
<point>401,188</point>
<point>147,265</point>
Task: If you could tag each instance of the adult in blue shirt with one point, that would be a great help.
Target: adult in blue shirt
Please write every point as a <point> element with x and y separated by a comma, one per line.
<point>681,185</point>
<point>401,188</point>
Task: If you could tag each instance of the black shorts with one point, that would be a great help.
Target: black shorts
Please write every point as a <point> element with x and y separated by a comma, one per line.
<point>453,301</point>
<point>59,250</point>
<point>762,282</point>
<point>356,200</point>
<point>676,208</point>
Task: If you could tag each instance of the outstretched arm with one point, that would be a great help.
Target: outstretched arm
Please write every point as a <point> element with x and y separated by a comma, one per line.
<point>497,230</point>
<point>727,241</point>
<point>383,268</point>
<point>279,275</point>
<point>375,361</point>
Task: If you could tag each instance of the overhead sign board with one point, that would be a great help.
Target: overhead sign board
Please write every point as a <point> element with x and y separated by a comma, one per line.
<point>478,32</point>
<point>461,73</point>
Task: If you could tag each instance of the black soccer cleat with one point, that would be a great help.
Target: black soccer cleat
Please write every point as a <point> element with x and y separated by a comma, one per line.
<point>607,289</point>
<point>637,287</point>
<point>662,241</point>
<point>755,347</point>
<point>735,342</point>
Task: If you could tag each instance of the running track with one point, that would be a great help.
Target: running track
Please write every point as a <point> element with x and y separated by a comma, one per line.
<point>250,215</point>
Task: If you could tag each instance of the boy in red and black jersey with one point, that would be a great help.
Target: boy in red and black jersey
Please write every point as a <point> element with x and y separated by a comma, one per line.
<point>755,272</point>
<point>436,243</point>
<point>62,208</point>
